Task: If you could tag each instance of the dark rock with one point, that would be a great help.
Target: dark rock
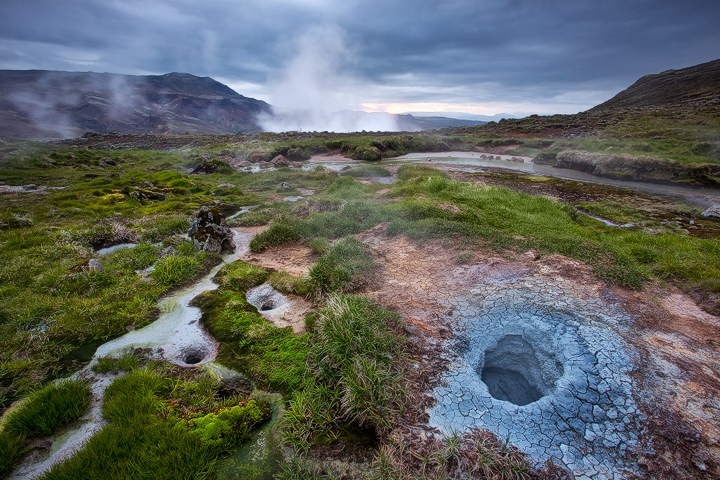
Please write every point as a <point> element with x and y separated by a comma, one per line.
<point>286,186</point>
<point>209,231</point>
<point>280,161</point>
<point>256,157</point>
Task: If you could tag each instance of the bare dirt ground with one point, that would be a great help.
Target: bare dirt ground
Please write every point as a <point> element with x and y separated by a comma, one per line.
<point>678,375</point>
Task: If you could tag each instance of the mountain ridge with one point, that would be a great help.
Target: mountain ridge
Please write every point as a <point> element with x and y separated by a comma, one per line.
<point>52,104</point>
<point>698,83</point>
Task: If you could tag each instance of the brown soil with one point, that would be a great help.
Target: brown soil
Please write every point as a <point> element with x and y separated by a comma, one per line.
<point>294,258</point>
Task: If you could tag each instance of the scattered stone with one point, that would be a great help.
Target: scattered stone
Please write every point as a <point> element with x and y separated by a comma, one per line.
<point>107,162</point>
<point>226,185</point>
<point>209,232</point>
<point>256,157</point>
<point>297,165</point>
<point>94,265</point>
<point>713,211</point>
<point>280,161</point>
<point>265,165</point>
<point>286,186</point>
<point>147,195</point>
<point>146,184</point>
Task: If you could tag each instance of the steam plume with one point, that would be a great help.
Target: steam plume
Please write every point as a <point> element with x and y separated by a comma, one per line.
<point>314,94</point>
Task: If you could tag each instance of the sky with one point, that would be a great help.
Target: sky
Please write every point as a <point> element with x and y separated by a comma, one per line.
<point>473,57</point>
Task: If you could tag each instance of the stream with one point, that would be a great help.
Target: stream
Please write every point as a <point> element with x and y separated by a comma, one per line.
<point>698,195</point>
<point>175,336</point>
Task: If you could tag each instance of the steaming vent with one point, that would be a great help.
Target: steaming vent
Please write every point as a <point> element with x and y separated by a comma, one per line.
<point>517,372</point>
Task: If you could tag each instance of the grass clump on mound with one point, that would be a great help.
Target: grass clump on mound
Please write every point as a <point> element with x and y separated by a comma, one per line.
<point>355,374</point>
<point>48,409</point>
<point>344,267</point>
<point>43,413</point>
<point>163,425</point>
<point>126,362</point>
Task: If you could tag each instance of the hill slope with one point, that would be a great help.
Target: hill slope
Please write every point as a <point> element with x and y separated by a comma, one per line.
<point>50,104</point>
<point>696,84</point>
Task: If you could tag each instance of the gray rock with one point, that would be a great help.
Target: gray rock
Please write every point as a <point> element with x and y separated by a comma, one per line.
<point>286,186</point>
<point>94,265</point>
<point>209,232</point>
<point>713,211</point>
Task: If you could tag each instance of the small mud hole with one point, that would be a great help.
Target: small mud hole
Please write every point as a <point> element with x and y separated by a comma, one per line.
<point>193,358</point>
<point>514,371</point>
<point>267,306</point>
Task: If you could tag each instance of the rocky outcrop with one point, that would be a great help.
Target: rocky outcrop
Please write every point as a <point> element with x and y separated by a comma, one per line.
<point>209,232</point>
<point>713,211</point>
<point>637,168</point>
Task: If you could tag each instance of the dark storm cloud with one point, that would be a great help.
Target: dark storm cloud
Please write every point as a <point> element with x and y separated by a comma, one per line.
<point>465,52</point>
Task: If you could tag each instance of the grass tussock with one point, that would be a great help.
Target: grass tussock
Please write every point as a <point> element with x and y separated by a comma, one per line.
<point>476,454</point>
<point>126,362</point>
<point>356,374</point>
<point>48,409</point>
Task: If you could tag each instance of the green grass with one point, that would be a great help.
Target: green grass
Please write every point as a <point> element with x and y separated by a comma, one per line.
<point>354,217</point>
<point>368,171</point>
<point>48,409</point>
<point>163,426</point>
<point>125,362</point>
<point>176,270</point>
<point>240,275</point>
<point>346,266</point>
<point>273,357</point>
<point>356,374</point>
<point>12,447</point>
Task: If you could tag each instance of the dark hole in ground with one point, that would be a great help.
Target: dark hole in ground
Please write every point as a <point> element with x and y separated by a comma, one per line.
<point>510,386</point>
<point>193,358</point>
<point>516,372</point>
<point>269,305</point>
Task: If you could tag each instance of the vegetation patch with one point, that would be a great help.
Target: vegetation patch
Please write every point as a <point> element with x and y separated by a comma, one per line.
<point>48,409</point>
<point>355,372</point>
<point>346,266</point>
<point>163,425</point>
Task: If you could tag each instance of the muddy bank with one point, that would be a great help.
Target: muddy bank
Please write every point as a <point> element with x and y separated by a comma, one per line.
<point>635,168</point>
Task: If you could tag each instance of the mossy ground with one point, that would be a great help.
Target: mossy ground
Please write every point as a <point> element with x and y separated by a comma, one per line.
<point>54,310</point>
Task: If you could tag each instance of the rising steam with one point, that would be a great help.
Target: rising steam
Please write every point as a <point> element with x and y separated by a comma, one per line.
<point>314,93</point>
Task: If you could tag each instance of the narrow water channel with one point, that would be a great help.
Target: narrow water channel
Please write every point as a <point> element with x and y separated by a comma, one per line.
<point>176,336</point>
